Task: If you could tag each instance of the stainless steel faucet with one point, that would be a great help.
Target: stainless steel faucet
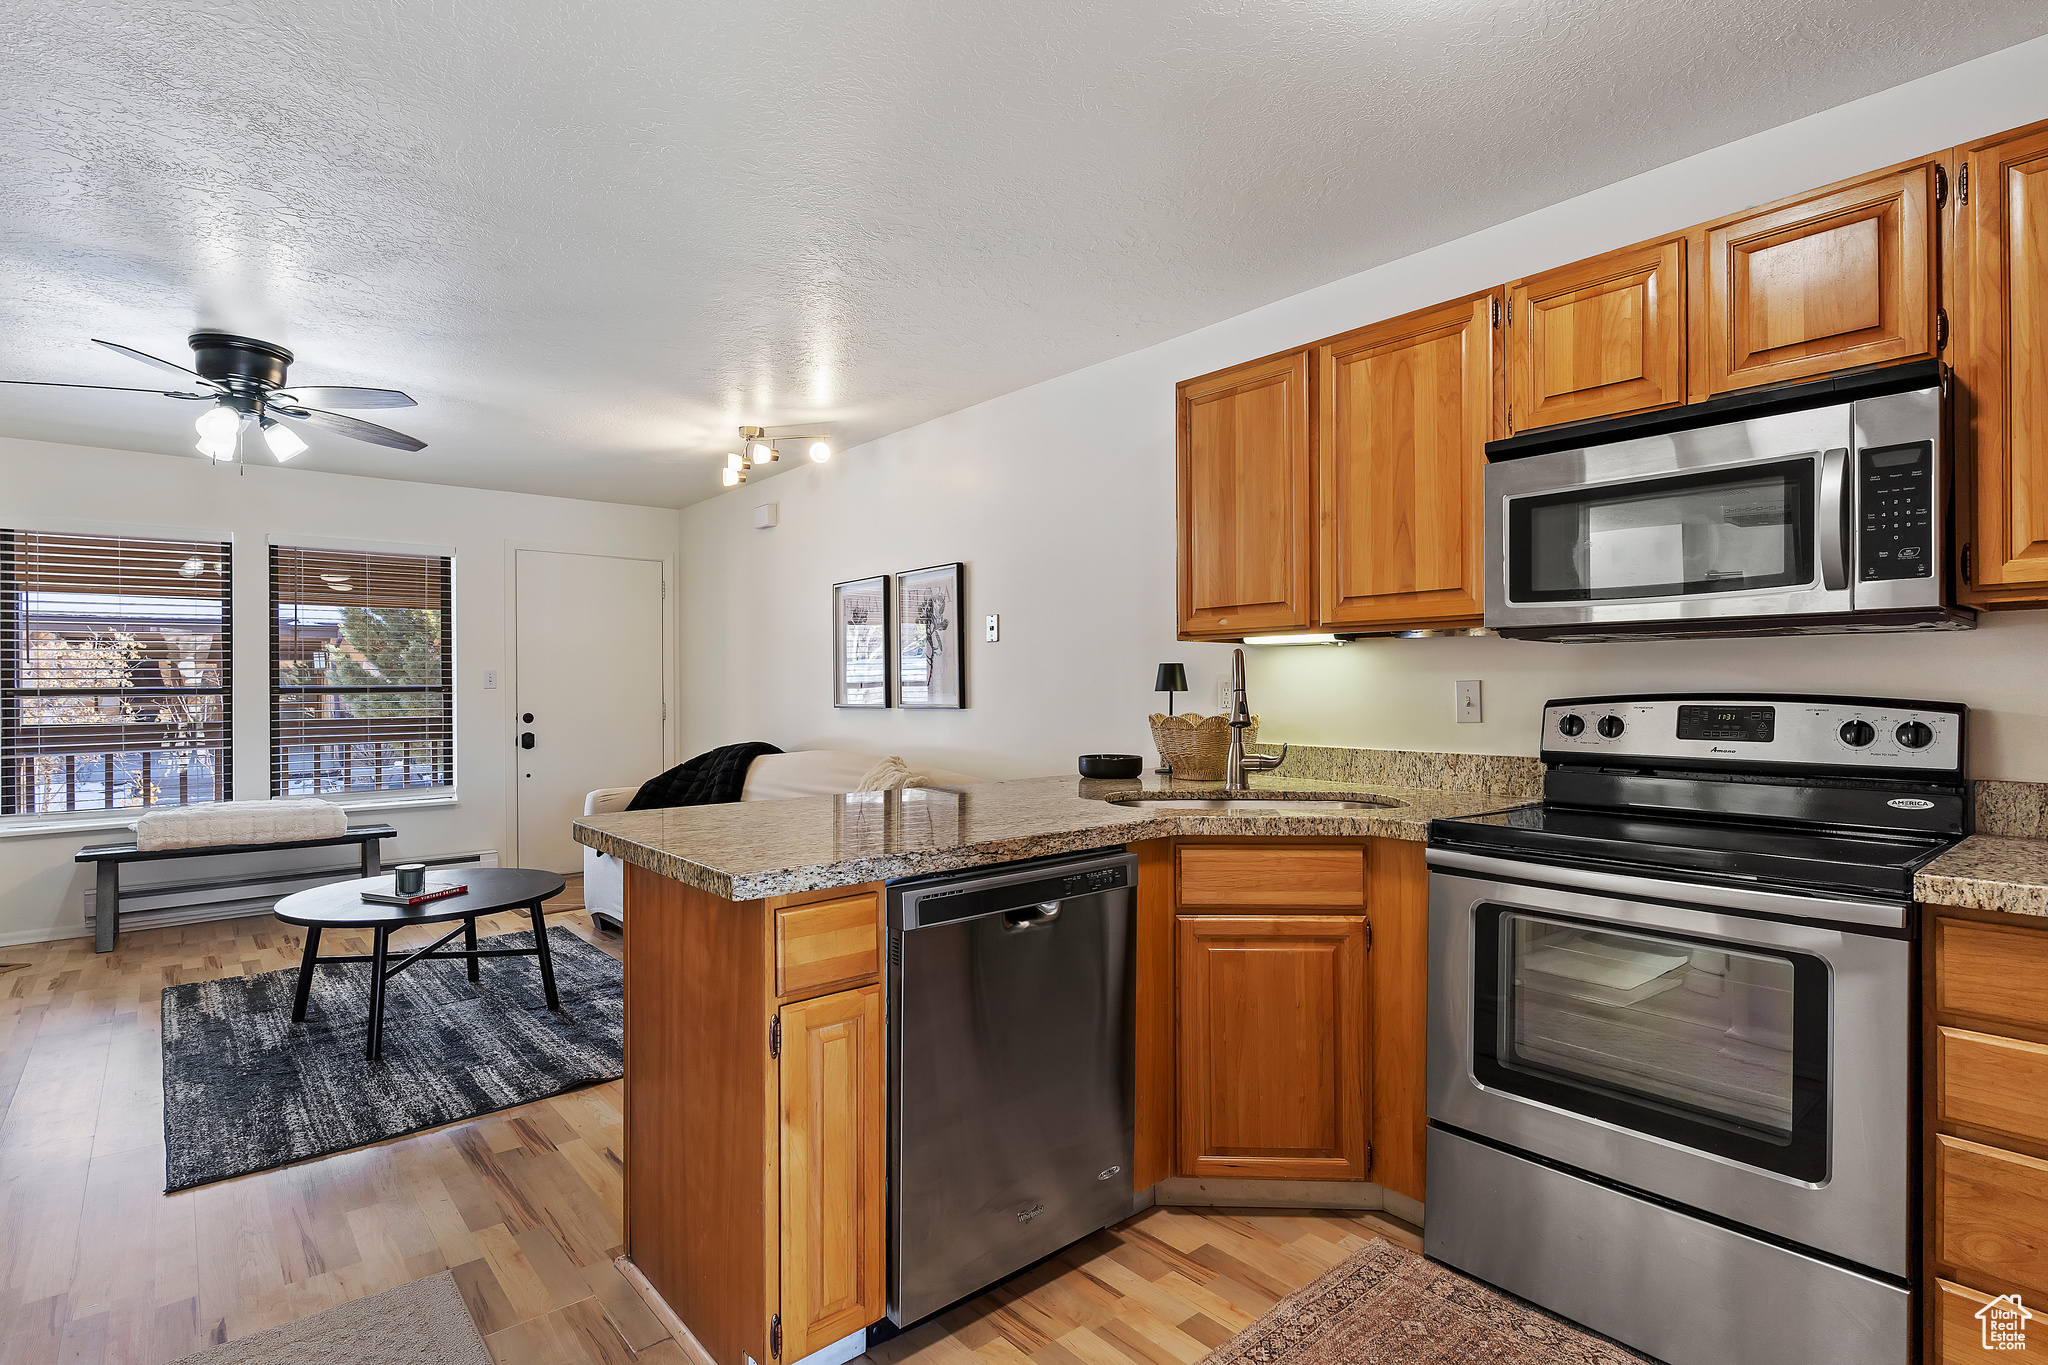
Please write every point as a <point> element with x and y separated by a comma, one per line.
<point>1239,763</point>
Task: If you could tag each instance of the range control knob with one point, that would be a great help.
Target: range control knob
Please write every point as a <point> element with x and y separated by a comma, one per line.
<point>1914,734</point>
<point>1611,727</point>
<point>1571,726</point>
<point>1857,733</point>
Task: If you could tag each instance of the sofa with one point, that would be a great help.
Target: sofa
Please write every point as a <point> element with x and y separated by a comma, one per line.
<point>771,777</point>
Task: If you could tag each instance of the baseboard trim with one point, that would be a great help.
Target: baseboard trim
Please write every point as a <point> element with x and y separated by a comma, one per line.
<point>656,1304</point>
<point>1351,1196</point>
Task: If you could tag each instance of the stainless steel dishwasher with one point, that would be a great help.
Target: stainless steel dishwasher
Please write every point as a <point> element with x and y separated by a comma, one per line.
<point>1010,1070</point>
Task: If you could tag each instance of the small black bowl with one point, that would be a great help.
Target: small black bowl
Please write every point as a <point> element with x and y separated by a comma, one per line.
<point>1111,765</point>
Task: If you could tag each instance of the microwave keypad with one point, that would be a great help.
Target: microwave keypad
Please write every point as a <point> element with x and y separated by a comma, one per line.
<point>1895,505</point>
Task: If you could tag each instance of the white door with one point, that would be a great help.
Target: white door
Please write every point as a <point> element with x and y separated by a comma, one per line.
<point>589,681</point>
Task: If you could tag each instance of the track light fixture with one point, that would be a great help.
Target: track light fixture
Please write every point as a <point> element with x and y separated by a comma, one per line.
<point>758,447</point>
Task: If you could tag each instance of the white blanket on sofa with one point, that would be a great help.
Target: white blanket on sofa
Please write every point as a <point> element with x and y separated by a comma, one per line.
<point>240,822</point>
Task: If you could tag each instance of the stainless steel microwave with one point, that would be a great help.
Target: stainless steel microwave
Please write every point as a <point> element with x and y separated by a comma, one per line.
<point>1810,509</point>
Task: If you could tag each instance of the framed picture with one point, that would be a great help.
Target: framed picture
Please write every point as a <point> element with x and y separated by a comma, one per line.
<point>860,653</point>
<point>929,658</point>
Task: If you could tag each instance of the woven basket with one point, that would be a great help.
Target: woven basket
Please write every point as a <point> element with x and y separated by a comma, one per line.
<point>1197,747</point>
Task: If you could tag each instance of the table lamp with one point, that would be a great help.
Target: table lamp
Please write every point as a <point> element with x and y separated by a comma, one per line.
<point>1172,678</point>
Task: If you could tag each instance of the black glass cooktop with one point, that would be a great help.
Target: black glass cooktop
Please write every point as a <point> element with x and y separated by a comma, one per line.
<point>1798,858</point>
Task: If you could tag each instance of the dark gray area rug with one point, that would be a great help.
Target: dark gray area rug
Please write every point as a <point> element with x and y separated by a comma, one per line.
<point>246,1089</point>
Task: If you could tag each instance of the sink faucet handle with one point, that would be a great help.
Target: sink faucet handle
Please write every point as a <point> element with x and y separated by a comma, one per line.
<point>1265,763</point>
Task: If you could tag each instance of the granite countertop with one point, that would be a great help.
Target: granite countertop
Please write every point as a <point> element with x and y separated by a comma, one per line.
<point>1987,872</point>
<point>746,850</point>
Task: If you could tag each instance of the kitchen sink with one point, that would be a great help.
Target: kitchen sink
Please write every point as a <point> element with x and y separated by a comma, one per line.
<point>1275,804</point>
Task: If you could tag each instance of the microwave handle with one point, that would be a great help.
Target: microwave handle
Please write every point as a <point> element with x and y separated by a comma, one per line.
<point>1834,519</point>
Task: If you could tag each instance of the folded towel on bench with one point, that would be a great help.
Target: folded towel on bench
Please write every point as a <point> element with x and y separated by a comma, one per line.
<point>240,822</point>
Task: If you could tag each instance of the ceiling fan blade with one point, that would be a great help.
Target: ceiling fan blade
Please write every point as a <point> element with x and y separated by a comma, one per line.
<point>340,396</point>
<point>110,388</point>
<point>134,354</point>
<point>352,426</point>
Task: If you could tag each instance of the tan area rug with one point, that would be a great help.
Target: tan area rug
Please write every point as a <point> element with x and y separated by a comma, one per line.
<point>422,1323</point>
<point>1388,1306</point>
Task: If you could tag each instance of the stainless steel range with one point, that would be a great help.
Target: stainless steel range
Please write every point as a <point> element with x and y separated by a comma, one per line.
<point>1671,1023</point>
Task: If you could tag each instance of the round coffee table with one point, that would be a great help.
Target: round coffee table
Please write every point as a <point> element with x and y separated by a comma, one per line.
<point>340,905</point>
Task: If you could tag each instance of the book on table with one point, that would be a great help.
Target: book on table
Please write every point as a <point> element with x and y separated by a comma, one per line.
<point>433,891</point>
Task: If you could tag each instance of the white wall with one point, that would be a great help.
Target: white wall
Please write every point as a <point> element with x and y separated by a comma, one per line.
<point>1059,497</point>
<point>44,485</point>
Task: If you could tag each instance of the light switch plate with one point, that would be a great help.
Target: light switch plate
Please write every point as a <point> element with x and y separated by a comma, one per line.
<point>995,628</point>
<point>1470,709</point>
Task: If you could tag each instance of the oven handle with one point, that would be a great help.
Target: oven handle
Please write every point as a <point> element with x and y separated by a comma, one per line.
<point>1834,518</point>
<point>1876,914</point>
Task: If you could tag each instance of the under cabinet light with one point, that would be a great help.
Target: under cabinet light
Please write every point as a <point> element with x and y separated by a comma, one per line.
<point>1294,640</point>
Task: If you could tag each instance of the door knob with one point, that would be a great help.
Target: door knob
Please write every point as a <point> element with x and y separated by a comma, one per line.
<point>526,740</point>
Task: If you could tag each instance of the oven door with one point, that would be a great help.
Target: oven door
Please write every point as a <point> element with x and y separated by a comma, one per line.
<point>1747,520</point>
<point>1752,1069</point>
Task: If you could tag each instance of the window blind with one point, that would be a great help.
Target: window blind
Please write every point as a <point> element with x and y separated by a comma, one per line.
<point>115,666</point>
<point>361,668</point>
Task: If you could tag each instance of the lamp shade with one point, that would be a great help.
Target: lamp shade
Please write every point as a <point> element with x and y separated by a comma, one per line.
<point>1172,678</point>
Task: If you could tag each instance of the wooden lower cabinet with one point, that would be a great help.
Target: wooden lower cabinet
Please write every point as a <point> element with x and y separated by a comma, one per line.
<point>834,1214</point>
<point>1272,1030</point>
<point>1986,1182</point>
<point>1281,1024</point>
<point>755,1161</point>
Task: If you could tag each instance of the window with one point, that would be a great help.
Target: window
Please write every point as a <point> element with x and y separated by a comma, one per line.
<point>114,672</point>
<point>361,649</point>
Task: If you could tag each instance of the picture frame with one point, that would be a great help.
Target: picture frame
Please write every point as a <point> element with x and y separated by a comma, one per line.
<point>861,643</point>
<point>931,671</point>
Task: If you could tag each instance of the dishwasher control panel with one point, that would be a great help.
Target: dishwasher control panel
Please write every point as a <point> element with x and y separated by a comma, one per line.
<point>957,896</point>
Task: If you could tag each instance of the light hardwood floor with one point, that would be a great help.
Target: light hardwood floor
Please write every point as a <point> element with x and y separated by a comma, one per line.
<point>97,1264</point>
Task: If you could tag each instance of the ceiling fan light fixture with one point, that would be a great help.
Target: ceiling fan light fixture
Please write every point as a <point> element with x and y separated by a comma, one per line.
<point>282,440</point>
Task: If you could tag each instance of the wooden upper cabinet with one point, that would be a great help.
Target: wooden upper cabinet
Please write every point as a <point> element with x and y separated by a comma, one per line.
<point>1602,337</point>
<point>1272,1047</point>
<point>1404,409</point>
<point>1246,522</point>
<point>1828,281</point>
<point>2003,361</point>
<point>833,1168</point>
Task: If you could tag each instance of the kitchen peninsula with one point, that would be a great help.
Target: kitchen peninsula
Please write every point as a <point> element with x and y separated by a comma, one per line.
<point>755,1012</point>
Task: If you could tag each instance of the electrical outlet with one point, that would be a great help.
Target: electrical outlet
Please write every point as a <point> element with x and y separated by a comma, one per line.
<point>490,677</point>
<point>1470,711</point>
<point>995,628</point>
<point>1223,695</point>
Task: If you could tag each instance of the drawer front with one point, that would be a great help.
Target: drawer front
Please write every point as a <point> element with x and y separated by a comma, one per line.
<point>1991,1213</point>
<point>1245,876</point>
<point>827,945</point>
<point>1992,1082</point>
<point>1960,1335</point>
<point>1991,971</point>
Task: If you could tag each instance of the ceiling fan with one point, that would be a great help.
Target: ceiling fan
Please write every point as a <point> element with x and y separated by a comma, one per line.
<point>242,381</point>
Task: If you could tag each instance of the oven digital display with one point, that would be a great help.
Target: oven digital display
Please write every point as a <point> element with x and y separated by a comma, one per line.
<point>1744,724</point>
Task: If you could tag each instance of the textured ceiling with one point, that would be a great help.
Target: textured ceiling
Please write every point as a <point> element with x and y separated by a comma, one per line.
<point>593,239</point>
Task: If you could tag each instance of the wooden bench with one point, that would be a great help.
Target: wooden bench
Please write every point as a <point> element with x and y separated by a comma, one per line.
<point>107,899</point>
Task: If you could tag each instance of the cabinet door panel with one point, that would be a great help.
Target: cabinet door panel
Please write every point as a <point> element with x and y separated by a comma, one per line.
<point>1405,409</point>
<point>1959,1334</point>
<point>833,1168</point>
<point>1991,1213</point>
<point>1834,280</point>
<point>1599,338</point>
<point>1990,972</point>
<point>1245,500</point>
<point>2005,361</point>
<point>1272,1047</point>
<point>1992,1082</point>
